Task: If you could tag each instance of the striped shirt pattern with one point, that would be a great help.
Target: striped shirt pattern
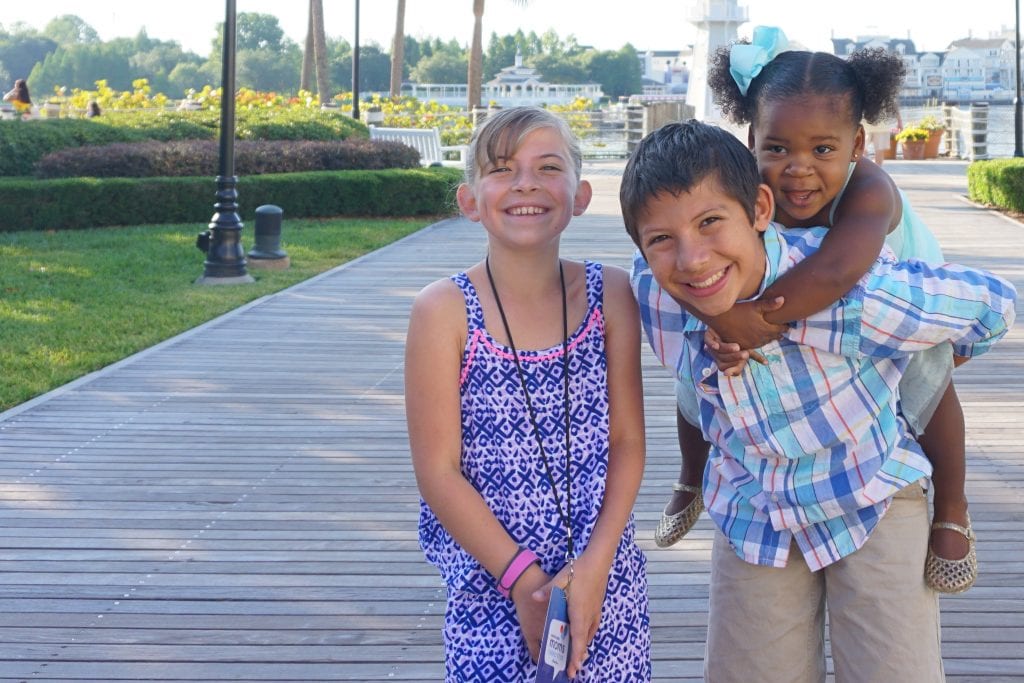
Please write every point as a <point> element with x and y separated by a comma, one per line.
<point>812,447</point>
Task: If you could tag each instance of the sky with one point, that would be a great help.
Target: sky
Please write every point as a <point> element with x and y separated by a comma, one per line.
<point>646,24</point>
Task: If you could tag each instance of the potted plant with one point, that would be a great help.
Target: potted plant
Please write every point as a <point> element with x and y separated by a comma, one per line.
<point>913,140</point>
<point>935,130</point>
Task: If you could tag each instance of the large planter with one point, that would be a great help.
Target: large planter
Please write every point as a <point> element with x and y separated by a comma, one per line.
<point>891,152</point>
<point>913,150</point>
<point>932,144</point>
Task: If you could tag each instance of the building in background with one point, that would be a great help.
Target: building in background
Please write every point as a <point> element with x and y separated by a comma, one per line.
<point>718,23</point>
<point>513,86</point>
<point>969,70</point>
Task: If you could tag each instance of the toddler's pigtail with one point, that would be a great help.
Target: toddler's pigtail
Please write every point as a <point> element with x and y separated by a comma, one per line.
<point>724,90</point>
<point>880,75</point>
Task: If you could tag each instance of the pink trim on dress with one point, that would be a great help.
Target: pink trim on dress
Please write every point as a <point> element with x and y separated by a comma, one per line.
<point>596,320</point>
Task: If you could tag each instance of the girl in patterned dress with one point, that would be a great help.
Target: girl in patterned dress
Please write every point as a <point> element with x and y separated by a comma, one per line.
<point>524,404</point>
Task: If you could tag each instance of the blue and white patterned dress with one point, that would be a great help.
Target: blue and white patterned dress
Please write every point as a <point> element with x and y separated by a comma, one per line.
<point>501,459</point>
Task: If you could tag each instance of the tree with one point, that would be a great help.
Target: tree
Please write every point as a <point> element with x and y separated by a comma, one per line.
<point>474,72</point>
<point>266,71</point>
<point>307,53</point>
<point>19,52</point>
<point>374,68</point>
<point>253,31</point>
<point>617,72</point>
<point>398,52</point>
<point>559,68</point>
<point>440,67</point>
<point>501,52</point>
<point>69,29</point>
<point>184,77</point>
<point>323,84</point>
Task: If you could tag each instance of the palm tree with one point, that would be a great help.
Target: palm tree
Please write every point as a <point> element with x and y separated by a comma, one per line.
<point>307,53</point>
<point>316,18</point>
<point>398,52</point>
<point>476,55</point>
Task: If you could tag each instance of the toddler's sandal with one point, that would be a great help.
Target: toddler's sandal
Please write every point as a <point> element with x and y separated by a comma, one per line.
<point>952,576</point>
<point>672,528</point>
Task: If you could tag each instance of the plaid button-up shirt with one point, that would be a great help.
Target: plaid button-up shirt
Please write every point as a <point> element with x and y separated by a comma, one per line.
<point>812,446</point>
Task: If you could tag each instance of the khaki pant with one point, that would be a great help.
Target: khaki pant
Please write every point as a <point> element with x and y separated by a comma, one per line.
<point>768,624</point>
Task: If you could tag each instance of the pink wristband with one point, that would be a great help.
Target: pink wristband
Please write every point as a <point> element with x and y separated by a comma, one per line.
<point>519,564</point>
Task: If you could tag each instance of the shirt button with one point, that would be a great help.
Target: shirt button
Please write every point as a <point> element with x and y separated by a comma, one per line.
<point>706,371</point>
<point>775,498</point>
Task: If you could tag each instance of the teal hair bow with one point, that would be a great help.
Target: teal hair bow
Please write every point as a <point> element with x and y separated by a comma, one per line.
<point>746,61</point>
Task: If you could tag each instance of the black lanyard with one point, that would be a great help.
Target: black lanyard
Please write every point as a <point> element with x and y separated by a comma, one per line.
<point>567,517</point>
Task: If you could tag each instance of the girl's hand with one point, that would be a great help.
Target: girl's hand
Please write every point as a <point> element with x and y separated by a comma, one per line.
<point>729,358</point>
<point>586,597</point>
<point>744,324</point>
<point>531,606</point>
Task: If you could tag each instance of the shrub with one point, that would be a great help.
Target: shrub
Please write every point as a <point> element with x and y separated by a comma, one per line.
<point>96,202</point>
<point>997,182</point>
<point>23,143</point>
<point>202,158</point>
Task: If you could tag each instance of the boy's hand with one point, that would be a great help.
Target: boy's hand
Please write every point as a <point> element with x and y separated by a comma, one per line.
<point>586,597</point>
<point>531,607</point>
<point>744,324</point>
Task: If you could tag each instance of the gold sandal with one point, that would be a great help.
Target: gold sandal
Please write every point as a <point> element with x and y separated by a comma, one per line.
<point>952,576</point>
<point>672,528</point>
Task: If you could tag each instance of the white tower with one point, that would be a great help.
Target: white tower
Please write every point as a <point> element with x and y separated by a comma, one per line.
<point>717,22</point>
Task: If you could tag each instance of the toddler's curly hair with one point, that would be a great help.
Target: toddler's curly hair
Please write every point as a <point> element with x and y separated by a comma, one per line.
<point>870,79</point>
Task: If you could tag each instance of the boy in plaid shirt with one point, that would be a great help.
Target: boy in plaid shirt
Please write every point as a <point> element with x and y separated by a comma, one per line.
<point>814,480</point>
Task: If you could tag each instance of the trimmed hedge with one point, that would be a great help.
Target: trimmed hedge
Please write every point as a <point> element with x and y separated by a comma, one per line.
<point>23,143</point>
<point>202,157</point>
<point>93,202</point>
<point>997,182</point>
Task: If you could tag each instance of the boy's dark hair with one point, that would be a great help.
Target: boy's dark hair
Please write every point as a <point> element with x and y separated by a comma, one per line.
<point>676,158</point>
<point>870,80</point>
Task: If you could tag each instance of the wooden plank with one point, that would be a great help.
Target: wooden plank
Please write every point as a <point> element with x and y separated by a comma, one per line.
<point>173,520</point>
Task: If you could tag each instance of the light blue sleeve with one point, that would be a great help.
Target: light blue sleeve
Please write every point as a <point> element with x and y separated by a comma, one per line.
<point>908,306</point>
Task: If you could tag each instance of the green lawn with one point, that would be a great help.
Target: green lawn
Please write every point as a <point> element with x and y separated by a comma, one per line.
<point>75,301</point>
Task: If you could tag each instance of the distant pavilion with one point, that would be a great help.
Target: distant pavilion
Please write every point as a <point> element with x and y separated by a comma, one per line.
<point>512,86</point>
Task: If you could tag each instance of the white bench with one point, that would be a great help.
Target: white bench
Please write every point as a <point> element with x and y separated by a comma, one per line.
<point>426,141</point>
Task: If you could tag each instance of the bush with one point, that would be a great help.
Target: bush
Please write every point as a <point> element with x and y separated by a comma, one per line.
<point>997,182</point>
<point>202,157</point>
<point>23,143</point>
<point>93,202</point>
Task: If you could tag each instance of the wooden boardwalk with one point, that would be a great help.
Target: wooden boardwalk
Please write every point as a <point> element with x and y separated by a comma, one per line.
<point>237,504</point>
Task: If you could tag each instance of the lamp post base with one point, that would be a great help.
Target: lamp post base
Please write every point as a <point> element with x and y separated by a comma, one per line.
<point>232,280</point>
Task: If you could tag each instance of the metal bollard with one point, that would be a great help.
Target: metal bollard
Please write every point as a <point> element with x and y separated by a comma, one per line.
<point>267,252</point>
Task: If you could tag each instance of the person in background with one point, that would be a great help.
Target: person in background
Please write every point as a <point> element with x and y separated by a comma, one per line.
<point>19,97</point>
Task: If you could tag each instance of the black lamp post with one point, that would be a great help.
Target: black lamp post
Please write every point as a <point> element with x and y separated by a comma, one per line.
<point>355,69</point>
<point>1018,105</point>
<point>222,242</point>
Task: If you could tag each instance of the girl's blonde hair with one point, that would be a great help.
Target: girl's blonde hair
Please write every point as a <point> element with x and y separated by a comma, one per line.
<point>501,133</point>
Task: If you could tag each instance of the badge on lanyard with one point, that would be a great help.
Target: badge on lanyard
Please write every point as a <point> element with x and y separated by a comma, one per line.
<point>554,645</point>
